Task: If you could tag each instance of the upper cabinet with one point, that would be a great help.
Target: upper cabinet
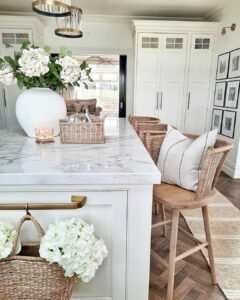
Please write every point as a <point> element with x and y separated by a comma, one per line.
<point>173,70</point>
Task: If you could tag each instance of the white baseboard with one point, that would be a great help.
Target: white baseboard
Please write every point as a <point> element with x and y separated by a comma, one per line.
<point>90,298</point>
<point>231,169</point>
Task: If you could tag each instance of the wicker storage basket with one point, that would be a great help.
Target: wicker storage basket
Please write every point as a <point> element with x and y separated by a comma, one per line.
<point>32,277</point>
<point>82,133</point>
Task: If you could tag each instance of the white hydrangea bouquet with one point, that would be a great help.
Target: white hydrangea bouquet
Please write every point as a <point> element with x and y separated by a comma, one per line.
<point>72,245</point>
<point>36,67</point>
<point>7,235</point>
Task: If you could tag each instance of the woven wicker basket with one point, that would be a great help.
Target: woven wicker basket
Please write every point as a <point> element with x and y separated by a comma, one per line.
<point>82,133</point>
<point>32,277</point>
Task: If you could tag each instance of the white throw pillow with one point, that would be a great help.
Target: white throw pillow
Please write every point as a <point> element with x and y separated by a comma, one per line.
<point>180,157</point>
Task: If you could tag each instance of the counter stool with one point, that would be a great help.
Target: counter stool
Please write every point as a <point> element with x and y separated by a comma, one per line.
<point>134,120</point>
<point>144,128</point>
<point>176,199</point>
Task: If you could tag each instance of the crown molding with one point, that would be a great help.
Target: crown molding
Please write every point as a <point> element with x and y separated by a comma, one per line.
<point>101,18</point>
<point>13,21</point>
<point>168,26</point>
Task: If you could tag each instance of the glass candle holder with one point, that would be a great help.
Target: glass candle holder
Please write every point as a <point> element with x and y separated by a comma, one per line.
<point>44,136</point>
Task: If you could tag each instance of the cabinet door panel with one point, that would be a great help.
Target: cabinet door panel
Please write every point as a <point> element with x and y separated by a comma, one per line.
<point>200,68</point>
<point>106,211</point>
<point>170,103</point>
<point>147,72</point>
<point>146,95</point>
<point>173,64</point>
<point>3,121</point>
<point>15,37</point>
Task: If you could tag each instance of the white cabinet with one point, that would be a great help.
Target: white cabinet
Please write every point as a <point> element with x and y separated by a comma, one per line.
<point>200,68</point>
<point>13,31</point>
<point>171,80</point>
<point>14,37</point>
<point>147,74</point>
<point>173,69</point>
<point>107,211</point>
<point>3,120</point>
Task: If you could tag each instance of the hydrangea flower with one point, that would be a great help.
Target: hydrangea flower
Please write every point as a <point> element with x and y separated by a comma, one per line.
<point>6,74</point>
<point>72,244</point>
<point>34,62</point>
<point>71,71</point>
<point>7,235</point>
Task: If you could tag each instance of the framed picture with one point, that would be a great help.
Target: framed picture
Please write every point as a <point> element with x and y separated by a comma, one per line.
<point>228,123</point>
<point>234,65</point>
<point>222,66</point>
<point>219,96</point>
<point>217,119</point>
<point>232,94</point>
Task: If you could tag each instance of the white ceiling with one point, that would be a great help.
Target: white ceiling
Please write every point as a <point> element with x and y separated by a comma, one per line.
<point>155,8</point>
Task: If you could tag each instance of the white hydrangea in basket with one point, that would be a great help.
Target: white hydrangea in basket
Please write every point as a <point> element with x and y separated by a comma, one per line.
<point>7,234</point>
<point>72,245</point>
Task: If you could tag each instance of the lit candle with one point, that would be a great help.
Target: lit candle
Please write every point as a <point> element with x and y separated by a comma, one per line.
<point>44,136</point>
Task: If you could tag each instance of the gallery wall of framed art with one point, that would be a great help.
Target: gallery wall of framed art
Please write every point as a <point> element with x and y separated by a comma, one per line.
<point>227,93</point>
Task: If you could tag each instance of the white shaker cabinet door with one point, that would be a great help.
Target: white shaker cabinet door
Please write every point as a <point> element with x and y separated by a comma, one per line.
<point>171,87</point>
<point>147,73</point>
<point>3,119</point>
<point>107,211</point>
<point>15,38</point>
<point>200,69</point>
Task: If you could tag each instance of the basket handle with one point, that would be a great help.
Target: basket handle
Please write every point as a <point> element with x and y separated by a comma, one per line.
<point>37,226</point>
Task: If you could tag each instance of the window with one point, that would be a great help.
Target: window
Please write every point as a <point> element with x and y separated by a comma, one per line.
<point>14,38</point>
<point>109,76</point>
<point>105,85</point>
<point>149,42</point>
<point>174,43</point>
<point>202,43</point>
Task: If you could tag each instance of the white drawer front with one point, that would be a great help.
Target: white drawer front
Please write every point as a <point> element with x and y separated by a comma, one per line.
<point>107,211</point>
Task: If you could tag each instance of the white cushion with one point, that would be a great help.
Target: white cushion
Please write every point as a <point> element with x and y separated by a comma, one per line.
<point>180,157</point>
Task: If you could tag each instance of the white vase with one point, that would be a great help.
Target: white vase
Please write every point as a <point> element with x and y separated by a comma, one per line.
<point>40,108</point>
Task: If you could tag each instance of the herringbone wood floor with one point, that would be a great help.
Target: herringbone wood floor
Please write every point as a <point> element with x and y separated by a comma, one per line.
<point>192,278</point>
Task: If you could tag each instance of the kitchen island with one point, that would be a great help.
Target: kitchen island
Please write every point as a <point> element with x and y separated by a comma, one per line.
<point>116,177</point>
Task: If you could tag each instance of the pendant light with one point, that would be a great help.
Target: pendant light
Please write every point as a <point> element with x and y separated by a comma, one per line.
<point>70,26</point>
<point>52,8</point>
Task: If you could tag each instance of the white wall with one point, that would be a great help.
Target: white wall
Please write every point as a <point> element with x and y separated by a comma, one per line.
<point>101,35</point>
<point>231,41</point>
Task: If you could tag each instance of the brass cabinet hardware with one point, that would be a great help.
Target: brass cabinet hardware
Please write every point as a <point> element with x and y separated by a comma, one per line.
<point>76,202</point>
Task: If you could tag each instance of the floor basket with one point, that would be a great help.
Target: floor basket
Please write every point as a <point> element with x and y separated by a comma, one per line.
<point>32,277</point>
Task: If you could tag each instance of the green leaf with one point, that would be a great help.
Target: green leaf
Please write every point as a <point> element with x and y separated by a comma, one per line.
<point>83,65</point>
<point>20,83</point>
<point>47,48</point>
<point>7,45</point>
<point>65,52</point>
<point>11,62</point>
<point>54,71</point>
<point>25,44</point>
<point>86,86</point>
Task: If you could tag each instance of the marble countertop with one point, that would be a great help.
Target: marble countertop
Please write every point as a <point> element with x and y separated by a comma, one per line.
<point>121,160</point>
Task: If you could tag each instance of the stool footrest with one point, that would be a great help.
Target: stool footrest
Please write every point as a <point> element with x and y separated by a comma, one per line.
<point>161,223</point>
<point>189,235</point>
<point>191,251</point>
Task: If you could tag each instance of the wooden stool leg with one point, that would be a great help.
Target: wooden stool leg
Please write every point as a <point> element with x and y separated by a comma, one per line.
<point>156,208</point>
<point>209,240</point>
<point>163,218</point>
<point>172,255</point>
